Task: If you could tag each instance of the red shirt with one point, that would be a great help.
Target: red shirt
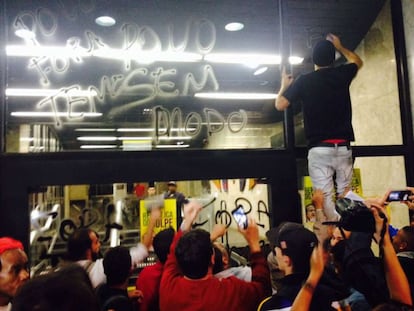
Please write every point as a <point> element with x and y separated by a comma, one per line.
<point>148,282</point>
<point>180,294</point>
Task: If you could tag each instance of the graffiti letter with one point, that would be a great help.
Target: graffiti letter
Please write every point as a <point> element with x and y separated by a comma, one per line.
<point>237,121</point>
<point>218,125</point>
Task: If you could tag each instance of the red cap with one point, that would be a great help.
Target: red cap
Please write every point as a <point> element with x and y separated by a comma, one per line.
<point>8,244</point>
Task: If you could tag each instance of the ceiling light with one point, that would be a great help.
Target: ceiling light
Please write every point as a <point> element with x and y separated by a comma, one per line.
<point>249,96</point>
<point>236,26</point>
<point>171,146</point>
<point>135,145</point>
<point>135,138</point>
<point>173,137</point>
<point>94,130</point>
<point>238,58</point>
<point>98,146</point>
<point>135,130</point>
<point>49,92</point>
<point>260,71</point>
<point>295,60</point>
<point>105,21</point>
<point>25,34</point>
<point>147,57</point>
<point>37,114</point>
<point>97,138</point>
<point>50,51</point>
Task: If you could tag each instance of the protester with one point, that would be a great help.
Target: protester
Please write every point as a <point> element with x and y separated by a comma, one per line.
<point>66,289</point>
<point>148,281</point>
<point>13,270</point>
<point>327,114</point>
<point>83,247</point>
<point>188,283</point>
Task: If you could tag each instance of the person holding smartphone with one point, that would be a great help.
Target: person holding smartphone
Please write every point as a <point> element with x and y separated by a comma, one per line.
<point>188,283</point>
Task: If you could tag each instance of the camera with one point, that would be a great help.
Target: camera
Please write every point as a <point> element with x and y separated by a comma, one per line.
<point>355,216</point>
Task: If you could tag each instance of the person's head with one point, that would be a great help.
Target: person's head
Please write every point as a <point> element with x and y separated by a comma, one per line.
<point>194,253</point>
<point>310,212</point>
<point>323,54</point>
<point>162,242</point>
<point>13,268</point>
<point>338,235</point>
<point>117,265</point>
<point>403,241</point>
<point>221,258</point>
<point>293,247</point>
<point>151,191</point>
<point>83,244</point>
<point>172,186</point>
<point>66,289</point>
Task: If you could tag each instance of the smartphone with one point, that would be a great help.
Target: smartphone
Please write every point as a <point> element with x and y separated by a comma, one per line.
<point>399,195</point>
<point>240,216</point>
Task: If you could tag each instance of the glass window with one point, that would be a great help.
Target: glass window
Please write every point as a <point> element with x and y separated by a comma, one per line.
<point>152,75</point>
<point>119,212</point>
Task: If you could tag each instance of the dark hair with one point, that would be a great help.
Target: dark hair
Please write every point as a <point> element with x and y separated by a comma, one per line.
<point>65,290</point>
<point>117,265</point>
<point>218,260</point>
<point>78,243</point>
<point>323,53</point>
<point>408,234</point>
<point>162,242</point>
<point>193,252</point>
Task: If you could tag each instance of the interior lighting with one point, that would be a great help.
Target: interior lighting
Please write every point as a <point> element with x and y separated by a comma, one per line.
<point>36,114</point>
<point>147,57</point>
<point>26,139</point>
<point>243,58</point>
<point>134,138</point>
<point>249,96</point>
<point>20,92</point>
<point>135,130</point>
<point>235,26</point>
<point>171,146</point>
<point>105,21</point>
<point>97,138</point>
<point>260,71</point>
<point>295,60</point>
<point>98,146</point>
<point>94,130</point>
<point>49,51</point>
<point>25,34</point>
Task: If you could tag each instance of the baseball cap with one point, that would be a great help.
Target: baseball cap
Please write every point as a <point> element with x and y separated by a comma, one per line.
<point>323,53</point>
<point>273,234</point>
<point>7,243</point>
<point>296,241</point>
<point>172,183</point>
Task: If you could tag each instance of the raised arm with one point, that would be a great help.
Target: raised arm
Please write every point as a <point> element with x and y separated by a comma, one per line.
<point>154,216</point>
<point>350,56</point>
<point>397,282</point>
<point>281,102</point>
<point>304,298</point>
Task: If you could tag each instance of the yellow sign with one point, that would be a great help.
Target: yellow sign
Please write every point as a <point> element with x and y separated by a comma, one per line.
<point>168,217</point>
<point>356,186</point>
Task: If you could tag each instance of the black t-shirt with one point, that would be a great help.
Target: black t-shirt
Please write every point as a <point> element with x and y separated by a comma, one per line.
<point>324,95</point>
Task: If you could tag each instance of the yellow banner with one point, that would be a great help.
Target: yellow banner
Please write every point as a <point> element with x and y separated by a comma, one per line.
<point>168,216</point>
